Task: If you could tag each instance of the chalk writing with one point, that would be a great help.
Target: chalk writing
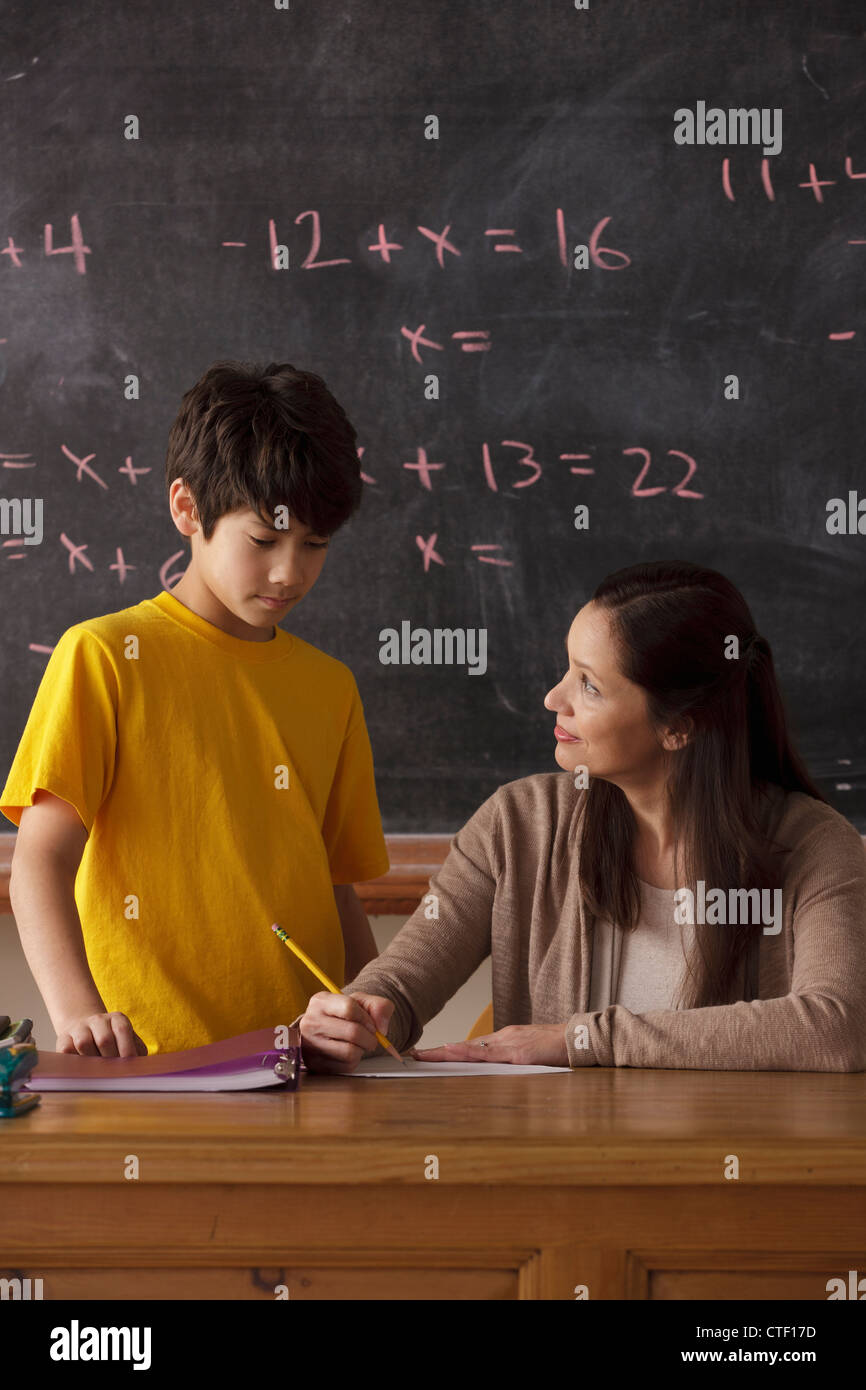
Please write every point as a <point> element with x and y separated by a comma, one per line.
<point>812,182</point>
<point>602,257</point>
<point>77,249</point>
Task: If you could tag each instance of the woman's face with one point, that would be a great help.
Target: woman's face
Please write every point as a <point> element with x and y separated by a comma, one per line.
<point>605,713</point>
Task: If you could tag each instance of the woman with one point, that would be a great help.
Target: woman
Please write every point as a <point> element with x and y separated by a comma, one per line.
<point>677,772</point>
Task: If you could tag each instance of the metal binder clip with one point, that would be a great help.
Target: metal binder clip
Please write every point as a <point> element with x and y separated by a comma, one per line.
<point>288,1065</point>
<point>286,1068</point>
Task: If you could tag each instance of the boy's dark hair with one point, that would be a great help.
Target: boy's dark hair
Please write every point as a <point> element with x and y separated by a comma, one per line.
<point>256,436</point>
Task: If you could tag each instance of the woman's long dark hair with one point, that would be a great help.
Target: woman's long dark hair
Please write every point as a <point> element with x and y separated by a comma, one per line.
<point>671,624</point>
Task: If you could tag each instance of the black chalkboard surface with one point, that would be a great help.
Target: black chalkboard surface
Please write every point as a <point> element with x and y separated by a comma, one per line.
<point>306,128</point>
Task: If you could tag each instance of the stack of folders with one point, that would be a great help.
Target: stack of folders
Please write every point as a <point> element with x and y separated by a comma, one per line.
<point>242,1063</point>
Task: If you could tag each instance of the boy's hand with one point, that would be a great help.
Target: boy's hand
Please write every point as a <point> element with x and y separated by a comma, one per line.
<point>100,1035</point>
<point>338,1029</point>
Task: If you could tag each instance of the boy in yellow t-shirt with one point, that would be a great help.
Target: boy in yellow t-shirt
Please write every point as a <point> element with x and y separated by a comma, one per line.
<point>189,773</point>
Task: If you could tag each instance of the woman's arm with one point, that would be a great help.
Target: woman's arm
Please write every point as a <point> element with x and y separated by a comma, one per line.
<point>820,1025</point>
<point>446,938</point>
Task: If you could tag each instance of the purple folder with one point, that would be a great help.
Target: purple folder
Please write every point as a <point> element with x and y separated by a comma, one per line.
<point>246,1062</point>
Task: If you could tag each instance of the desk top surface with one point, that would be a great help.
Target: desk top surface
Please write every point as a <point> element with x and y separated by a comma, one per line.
<point>601,1126</point>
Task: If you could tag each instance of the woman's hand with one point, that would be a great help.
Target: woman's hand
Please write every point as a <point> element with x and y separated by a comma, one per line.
<point>337,1030</point>
<point>533,1044</point>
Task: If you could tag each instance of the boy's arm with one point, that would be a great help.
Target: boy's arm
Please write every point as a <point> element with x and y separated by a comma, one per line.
<point>48,850</point>
<point>357,935</point>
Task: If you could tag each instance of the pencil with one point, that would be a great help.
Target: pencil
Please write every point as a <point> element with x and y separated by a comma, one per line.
<point>329,984</point>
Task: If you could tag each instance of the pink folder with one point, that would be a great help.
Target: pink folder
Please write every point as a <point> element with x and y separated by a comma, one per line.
<point>246,1062</point>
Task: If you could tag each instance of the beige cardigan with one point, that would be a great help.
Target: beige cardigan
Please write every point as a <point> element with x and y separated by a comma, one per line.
<point>509,888</point>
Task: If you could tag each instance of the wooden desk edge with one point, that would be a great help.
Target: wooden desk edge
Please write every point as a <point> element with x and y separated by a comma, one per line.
<point>55,1159</point>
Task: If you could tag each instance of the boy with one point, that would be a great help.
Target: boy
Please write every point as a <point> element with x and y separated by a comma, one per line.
<point>211,772</point>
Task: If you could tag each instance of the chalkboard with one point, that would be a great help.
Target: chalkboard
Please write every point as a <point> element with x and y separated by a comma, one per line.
<point>307,127</point>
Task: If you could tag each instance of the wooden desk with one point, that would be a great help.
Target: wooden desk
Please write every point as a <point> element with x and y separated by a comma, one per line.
<point>613,1178</point>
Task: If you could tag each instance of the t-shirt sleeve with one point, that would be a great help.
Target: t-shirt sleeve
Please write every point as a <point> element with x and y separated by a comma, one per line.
<point>70,738</point>
<point>352,826</point>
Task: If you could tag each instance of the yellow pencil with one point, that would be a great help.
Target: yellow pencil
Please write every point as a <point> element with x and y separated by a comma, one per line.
<point>329,984</point>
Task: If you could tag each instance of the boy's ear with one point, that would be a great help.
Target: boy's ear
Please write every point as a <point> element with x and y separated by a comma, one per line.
<point>183,509</point>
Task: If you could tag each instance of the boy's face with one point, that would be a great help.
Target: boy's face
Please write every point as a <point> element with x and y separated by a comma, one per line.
<point>245,563</point>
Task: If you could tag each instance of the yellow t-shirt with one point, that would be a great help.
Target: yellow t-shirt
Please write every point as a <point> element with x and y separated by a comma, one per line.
<point>225,785</point>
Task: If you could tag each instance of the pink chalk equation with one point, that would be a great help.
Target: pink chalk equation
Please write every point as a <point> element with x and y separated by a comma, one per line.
<point>816,185</point>
<point>494,468</point>
<point>443,244</point>
<point>82,466</point>
<point>430,555</point>
<point>77,557</point>
<point>813,182</point>
<point>76,249</point>
<point>470,340</point>
<point>486,552</point>
<point>502,465</point>
<point>425,469</point>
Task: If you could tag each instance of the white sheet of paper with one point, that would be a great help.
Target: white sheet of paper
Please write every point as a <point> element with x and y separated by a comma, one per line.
<point>388,1066</point>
